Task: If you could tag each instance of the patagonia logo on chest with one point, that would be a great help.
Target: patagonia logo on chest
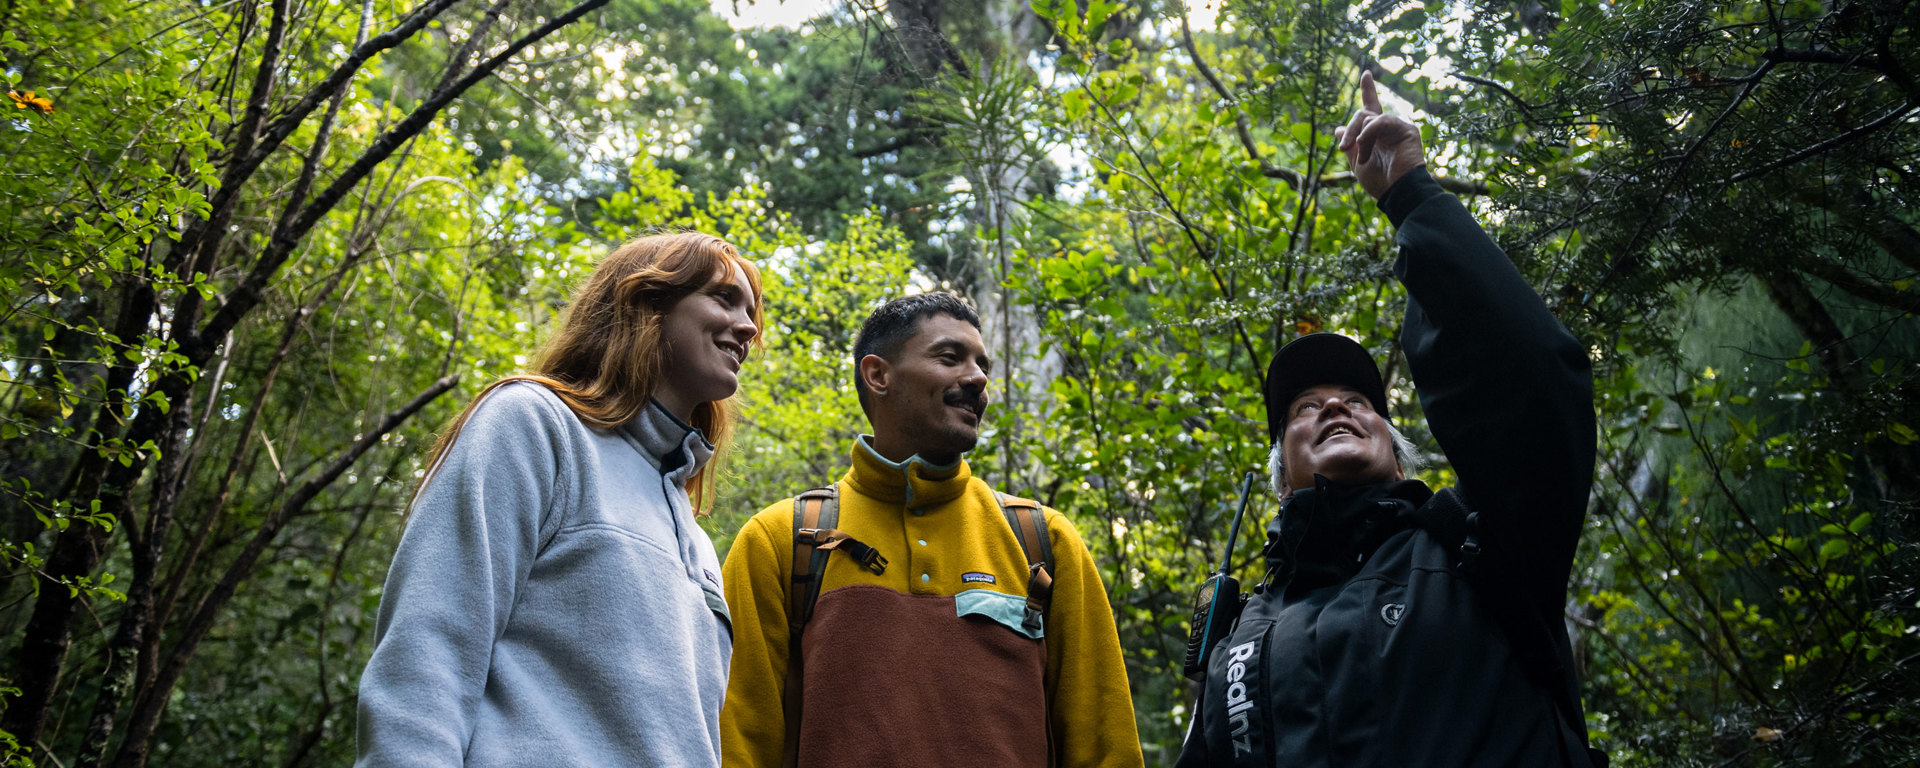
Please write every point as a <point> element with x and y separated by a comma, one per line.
<point>976,577</point>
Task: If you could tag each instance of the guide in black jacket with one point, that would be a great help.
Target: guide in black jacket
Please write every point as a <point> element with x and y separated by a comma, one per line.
<point>1382,637</point>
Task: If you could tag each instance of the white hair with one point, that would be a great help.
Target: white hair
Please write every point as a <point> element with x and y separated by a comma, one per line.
<point>1403,452</point>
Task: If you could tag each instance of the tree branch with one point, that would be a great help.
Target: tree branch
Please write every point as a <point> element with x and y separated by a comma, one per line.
<point>1897,238</point>
<point>1526,110</point>
<point>1846,280</point>
<point>202,236</point>
<point>1452,184</point>
<point>892,145</point>
<point>243,297</point>
<point>245,135</point>
<point>1628,254</point>
<point>1885,120</point>
<point>146,717</point>
<point>457,62</point>
<point>1292,178</point>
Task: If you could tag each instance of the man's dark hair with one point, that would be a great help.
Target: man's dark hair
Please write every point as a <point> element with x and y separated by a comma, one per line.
<point>896,321</point>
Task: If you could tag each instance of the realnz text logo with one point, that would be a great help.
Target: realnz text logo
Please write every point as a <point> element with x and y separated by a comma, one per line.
<point>1240,710</point>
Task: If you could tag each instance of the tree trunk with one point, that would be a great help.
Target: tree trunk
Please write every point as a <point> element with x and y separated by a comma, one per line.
<point>145,717</point>
<point>42,652</point>
<point>136,618</point>
<point>1894,471</point>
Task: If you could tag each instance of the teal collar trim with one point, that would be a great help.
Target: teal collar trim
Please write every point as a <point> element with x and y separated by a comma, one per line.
<point>915,482</point>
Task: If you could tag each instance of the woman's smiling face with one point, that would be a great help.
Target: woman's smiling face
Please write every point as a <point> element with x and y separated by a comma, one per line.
<point>1332,430</point>
<point>706,336</point>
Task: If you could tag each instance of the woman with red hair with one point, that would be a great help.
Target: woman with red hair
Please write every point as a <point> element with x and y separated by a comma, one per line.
<point>552,601</point>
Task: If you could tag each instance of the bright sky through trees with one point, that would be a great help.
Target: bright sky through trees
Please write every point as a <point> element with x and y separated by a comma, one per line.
<point>770,13</point>
<point>791,14</point>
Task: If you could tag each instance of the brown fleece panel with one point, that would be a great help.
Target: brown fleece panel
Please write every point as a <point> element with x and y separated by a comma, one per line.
<point>900,680</point>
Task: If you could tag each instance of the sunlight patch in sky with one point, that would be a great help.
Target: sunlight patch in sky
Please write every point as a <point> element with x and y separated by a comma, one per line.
<point>791,14</point>
<point>794,14</point>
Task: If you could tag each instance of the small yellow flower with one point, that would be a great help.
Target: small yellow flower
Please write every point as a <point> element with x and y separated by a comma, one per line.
<point>40,104</point>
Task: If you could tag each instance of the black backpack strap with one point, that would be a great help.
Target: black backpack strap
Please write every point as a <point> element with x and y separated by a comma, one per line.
<point>1029,525</point>
<point>1449,519</point>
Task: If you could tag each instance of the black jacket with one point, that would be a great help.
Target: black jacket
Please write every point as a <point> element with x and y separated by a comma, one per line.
<point>1370,646</point>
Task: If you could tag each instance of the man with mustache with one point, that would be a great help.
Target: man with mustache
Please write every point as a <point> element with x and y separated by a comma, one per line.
<point>1398,626</point>
<point>911,615</point>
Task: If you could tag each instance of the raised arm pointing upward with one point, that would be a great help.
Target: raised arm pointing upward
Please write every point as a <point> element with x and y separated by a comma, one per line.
<point>1399,626</point>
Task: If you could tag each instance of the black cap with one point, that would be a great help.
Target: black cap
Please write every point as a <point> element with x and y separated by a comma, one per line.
<point>1313,360</point>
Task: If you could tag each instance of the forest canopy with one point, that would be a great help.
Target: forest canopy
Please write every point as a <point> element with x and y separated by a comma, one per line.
<point>257,254</point>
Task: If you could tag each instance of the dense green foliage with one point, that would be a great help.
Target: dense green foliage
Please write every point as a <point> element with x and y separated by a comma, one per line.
<point>257,252</point>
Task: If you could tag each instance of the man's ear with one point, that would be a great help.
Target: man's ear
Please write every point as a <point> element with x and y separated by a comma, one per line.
<point>876,373</point>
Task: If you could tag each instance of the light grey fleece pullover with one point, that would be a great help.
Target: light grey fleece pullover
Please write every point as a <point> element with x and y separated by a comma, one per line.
<point>552,602</point>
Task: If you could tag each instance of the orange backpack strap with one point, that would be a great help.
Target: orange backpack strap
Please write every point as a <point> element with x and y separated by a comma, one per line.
<point>813,510</point>
<point>1029,525</point>
<point>815,513</point>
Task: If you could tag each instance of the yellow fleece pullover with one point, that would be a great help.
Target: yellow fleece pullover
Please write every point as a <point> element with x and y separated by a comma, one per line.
<point>926,663</point>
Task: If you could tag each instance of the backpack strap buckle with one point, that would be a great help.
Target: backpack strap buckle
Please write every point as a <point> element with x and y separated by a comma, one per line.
<point>1470,544</point>
<point>830,539</point>
<point>1039,595</point>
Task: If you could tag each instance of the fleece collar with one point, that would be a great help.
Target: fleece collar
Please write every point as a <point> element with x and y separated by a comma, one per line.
<point>912,483</point>
<point>672,446</point>
<point>1324,534</point>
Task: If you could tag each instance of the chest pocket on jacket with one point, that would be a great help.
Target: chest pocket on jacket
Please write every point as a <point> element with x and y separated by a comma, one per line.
<point>1367,643</point>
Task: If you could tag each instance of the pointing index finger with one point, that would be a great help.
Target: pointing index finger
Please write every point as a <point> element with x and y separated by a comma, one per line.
<point>1369,98</point>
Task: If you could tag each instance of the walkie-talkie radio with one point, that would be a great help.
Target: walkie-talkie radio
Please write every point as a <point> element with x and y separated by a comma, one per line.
<point>1217,601</point>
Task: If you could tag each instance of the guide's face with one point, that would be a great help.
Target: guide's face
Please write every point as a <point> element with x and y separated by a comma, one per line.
<point>706,336</point>
<point>1332,430</point>
<point>933,395</point>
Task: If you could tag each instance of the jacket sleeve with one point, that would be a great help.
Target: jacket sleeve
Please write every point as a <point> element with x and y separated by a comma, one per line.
<point>1090,701</point>
<point>467,550</point>
<point>753,724</point>
<point>1507,390</point>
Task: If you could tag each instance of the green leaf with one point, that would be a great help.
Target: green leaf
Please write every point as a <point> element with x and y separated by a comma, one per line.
<point>1412,19</point>
<point>1075,103</point>
<point>1902,434</point>
<point>1097,13</point>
